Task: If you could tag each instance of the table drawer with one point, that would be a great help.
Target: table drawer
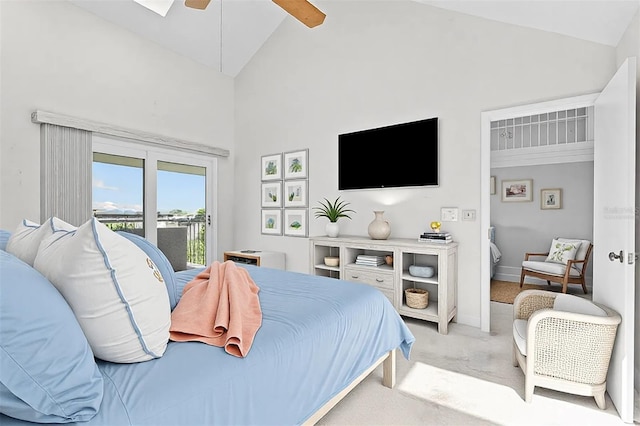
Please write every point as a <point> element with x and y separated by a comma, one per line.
<point>379,279</point>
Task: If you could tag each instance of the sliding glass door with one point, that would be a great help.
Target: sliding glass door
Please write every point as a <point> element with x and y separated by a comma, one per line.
<point>182,212</point>
<point>165,196</point>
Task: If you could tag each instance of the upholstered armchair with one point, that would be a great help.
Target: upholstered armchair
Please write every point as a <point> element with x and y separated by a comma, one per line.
<point>563,342</point>
<point>561,264</point>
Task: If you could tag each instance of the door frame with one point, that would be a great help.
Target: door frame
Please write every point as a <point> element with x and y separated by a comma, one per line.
<point>486,118</point>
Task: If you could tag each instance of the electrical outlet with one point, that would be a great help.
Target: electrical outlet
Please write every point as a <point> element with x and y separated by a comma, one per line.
<point>468,215</point>
<point>449,214</point>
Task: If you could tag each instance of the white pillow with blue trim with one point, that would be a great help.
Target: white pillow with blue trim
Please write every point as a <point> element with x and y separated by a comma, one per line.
<point>26,239</point>
<point>114,289</point>
<point>161,261</point>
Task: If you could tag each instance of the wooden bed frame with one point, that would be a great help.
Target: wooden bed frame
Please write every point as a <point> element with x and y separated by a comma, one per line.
<point>388,379</point>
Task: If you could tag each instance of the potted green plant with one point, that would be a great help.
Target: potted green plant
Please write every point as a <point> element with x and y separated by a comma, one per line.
<point>333,211</point>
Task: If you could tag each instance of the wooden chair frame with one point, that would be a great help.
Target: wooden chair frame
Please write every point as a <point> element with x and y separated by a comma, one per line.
<point>565,279</point>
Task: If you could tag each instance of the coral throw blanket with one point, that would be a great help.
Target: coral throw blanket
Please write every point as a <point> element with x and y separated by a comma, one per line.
<point>219,307</point>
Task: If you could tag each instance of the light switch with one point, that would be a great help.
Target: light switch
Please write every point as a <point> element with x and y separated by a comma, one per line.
<point>468,215</point>
<point>449,214</point>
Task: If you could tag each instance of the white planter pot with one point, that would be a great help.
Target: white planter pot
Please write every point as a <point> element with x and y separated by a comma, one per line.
<point>332,229</point>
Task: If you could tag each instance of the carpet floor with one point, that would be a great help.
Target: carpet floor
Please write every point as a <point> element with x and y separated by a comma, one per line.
<point>464,378</point>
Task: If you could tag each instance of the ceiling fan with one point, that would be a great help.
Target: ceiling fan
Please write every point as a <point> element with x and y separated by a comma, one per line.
<point>302,10</point>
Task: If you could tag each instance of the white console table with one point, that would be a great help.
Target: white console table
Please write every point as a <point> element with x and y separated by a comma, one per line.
<point>393,280</point>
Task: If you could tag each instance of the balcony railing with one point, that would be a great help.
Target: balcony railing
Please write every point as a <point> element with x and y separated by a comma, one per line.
<point>194,245</point>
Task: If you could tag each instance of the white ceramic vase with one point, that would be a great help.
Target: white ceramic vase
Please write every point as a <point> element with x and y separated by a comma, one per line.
<point>379,229</point>
<point>332,229</point>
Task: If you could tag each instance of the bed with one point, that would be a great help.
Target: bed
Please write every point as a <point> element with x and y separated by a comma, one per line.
<point>495,254</point>
<point>319,337</point>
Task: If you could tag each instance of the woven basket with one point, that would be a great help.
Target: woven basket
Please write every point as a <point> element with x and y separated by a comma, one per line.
<point>417,298</point>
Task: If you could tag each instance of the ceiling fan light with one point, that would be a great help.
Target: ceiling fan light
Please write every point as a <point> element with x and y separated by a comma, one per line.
<point>197,4</point>
<point>161,7</point>
<point>303,11</point>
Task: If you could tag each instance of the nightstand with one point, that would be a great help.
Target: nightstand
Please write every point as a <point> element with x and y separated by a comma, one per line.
<point>266,259</point>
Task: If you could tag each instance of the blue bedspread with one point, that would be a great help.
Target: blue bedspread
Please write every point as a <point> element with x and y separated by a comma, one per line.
<point>317,335</point>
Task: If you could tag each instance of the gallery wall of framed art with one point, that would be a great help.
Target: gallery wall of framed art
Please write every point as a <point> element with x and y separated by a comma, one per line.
<point>284,193</point>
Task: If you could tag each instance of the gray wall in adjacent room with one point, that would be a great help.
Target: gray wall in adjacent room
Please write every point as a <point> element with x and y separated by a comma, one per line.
<point>525,227</point>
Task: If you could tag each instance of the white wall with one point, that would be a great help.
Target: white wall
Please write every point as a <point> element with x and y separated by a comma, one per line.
<point>630,46</point>
<point>383,62</point>
<point>370,64</point>
<point>57,57</point>
<point>524,227</point>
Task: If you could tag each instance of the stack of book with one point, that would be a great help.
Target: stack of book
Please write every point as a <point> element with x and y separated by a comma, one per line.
<point>367,260</point>
<point>436,237</point>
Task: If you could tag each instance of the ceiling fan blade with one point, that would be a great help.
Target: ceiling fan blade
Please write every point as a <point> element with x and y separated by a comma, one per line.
<point>303,11</point>
<point>197,4</point>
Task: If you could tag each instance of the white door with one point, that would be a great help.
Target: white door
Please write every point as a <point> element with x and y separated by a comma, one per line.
<point>614,226</point>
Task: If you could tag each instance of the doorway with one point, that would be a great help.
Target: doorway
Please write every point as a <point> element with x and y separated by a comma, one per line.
<point>574,103</point>
<point>614,224</point>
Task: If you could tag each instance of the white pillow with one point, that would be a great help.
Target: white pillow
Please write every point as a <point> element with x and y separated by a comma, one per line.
<point>113,289</point>
<point>562,251</point>
<point>584,246</point>
<point>24,242</point>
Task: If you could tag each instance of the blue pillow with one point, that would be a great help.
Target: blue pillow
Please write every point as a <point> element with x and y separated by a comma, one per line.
<point>4,237</point>
<point>161,261</point>
<point>47,369</point>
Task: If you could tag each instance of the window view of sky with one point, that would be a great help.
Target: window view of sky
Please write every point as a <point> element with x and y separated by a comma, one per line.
<point>119,189</point>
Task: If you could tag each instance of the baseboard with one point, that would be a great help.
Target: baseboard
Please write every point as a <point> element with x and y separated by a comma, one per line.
<point>512,273</point>
<point>468,320</point>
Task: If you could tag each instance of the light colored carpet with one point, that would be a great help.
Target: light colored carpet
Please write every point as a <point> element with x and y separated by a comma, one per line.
<point>464,378</point>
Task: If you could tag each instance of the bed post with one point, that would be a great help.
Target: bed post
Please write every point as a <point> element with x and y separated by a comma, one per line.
<point>389,370</point>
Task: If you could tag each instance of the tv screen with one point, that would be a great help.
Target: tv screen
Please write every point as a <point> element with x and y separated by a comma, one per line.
<point>389,157</point>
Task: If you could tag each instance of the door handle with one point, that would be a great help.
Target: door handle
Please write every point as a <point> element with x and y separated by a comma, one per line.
<point>613,256</point>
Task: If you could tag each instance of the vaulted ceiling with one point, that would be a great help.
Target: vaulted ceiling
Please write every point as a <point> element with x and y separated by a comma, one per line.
<point>228,33</point>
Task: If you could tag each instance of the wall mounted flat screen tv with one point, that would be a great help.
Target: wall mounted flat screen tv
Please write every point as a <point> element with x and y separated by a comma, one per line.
<point>393,156</point>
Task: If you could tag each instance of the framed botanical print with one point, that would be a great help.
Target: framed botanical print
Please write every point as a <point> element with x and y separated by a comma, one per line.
<point>296,222</point>
<point>271,194</point>
<point>271,221</point>
<point>271,167</point>
<point>295,193</point>
<point>296,164</point>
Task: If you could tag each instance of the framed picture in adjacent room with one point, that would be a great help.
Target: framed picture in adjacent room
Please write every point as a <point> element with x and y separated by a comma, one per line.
<point>492,185</point>
<point>296,222</point>
<point>271,221</point>
<point>271,167</point>
<point>296,164</point>
<point>271,194</point>
<point>550,198</point>
<point>517,190</point>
